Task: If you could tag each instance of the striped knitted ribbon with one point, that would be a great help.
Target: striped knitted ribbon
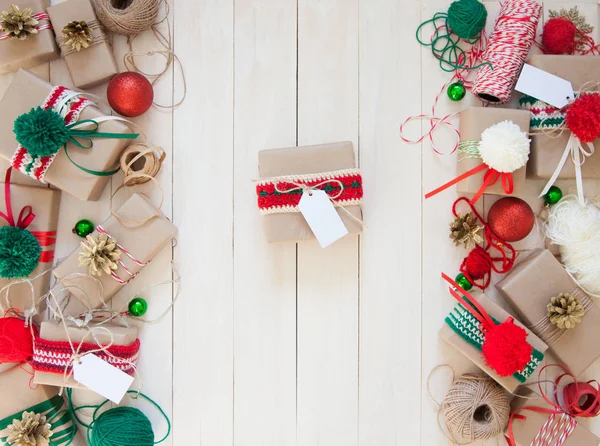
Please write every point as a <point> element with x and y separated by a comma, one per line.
<point>464,324</point>
<point>130,273</point>
<point>65,102</point>
<point>40,16</point>
<point>57,356</point>
<point>26,217</point>
<point>61,422</point>
<point>279,195</point>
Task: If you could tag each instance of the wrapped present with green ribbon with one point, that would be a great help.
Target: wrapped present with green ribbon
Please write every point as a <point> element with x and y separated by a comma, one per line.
<point>59,137</point>
<point>33,414</point>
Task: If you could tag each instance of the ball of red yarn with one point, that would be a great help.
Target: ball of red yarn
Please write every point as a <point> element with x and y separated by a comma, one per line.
<point>478,263</point>
<point>505,348</point>
<point>16,340</point>
<point>583,117</point>
<point>559,35</point>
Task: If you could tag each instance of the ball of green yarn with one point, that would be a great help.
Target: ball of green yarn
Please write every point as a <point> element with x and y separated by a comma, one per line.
<point>121,426</point>
<point>466,18</point>
<point>42,132</point>
<point>19,252</point>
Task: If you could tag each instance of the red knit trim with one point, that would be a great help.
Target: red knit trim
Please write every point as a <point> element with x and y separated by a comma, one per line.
<point>269,196</point>
<point>53,356</point>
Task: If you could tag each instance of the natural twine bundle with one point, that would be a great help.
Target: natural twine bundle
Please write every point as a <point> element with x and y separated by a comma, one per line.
<point>127,17</point>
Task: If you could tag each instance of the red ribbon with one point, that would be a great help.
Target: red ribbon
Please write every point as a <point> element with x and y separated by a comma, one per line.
<point>26,217</point>
<point>490,178</point>
<point>581,399</point>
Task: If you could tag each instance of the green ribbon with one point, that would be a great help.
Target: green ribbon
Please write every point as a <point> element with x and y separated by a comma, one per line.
<point>54,415</point>
<point>76,135</point>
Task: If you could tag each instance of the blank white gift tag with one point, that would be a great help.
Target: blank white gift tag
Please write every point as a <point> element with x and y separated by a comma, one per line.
<point>102,377</point>
<point>320,214</point>
<point>544,86</point>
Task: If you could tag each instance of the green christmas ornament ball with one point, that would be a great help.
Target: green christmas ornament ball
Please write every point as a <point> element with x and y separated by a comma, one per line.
<point>138,307</point>
<point>83,228</point>
<point>463,282</point>
<point>456,91</point>
<point>553,195</point>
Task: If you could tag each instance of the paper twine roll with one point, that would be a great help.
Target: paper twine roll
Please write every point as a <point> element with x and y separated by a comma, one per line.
<point>141,161</point>
<point>127,17</point>
<point>506,50</point>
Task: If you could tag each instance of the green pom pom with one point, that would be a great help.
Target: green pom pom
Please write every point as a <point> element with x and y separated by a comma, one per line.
<point>41,132</point>
<point>19,252</point>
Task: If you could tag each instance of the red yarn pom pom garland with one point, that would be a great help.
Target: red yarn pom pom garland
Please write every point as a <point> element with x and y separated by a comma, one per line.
<point>583,117</point>
<point>16,341</point>
<point>559,36</point>
<point>505,348</point>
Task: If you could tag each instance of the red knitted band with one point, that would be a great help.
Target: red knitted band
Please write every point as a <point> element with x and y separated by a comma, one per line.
<point>55,356</point>
<point>282,194</point>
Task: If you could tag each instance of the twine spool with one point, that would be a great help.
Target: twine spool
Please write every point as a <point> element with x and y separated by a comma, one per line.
<point>127,17</point>
<point>140,162</point>
<point>506,51</point>
<point>476,408</point>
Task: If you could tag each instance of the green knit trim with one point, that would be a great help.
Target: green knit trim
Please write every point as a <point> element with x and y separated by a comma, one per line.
<point>547,122</point>
<point>524,100</point>
<point>463,323</point>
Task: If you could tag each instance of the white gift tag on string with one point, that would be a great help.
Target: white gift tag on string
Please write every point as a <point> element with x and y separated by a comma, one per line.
<point>320,214</point>
<point>544,86</point>
<point>102,377</point>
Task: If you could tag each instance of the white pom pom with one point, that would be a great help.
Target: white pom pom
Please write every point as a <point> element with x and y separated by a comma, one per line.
<point>576,229</point>
<point>504,147</point>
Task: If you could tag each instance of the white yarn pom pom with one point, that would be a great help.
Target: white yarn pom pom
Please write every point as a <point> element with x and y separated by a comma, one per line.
<point>504,147</point>
<point>576,230</point>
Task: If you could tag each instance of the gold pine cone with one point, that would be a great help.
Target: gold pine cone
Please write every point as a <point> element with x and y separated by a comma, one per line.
<point>18,24</point>
<point>100,254</point>
<point>31,430</point>
<point>465,230</point>
<point>565,311</point>
<point>78,35</point>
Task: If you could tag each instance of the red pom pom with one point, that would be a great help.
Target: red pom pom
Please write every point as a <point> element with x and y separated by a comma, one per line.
<point>16,341</point>
<point>505,348</point>
<point>558,36</point>
<point>478,263</point>
<point>583,117</point>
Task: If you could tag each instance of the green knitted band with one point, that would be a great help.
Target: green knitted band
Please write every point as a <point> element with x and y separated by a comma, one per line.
<point>467,327</point>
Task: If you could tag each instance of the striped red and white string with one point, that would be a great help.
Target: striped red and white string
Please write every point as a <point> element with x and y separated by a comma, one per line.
<point>131,274</point>
<point>40,16</point>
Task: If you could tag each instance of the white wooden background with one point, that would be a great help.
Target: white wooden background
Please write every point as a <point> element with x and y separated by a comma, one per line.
<point>280,345</point>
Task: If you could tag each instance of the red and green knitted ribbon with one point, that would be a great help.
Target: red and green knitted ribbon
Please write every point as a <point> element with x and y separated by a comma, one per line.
<point>61,422</point>
<point>282,194</point>
<point>56,356</point>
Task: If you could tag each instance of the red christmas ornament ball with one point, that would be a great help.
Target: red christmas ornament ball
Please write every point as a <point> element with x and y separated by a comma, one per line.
<point>511,219</point>
<point>583,117</point>
<point>505,348</point>
<point>558,36</point>
<point>130,94</point>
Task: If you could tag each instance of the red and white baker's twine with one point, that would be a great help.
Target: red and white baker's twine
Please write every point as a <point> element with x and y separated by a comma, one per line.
<point>113,274</point>
<point>40,16</point>
<point>555,430</point>
<point>473,56</point>
<point>507,49</point>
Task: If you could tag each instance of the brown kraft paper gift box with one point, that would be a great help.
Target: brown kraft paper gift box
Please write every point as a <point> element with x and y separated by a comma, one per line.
<point>299,161</point>
<point>45,205</point>
<point>53,331</point>
<point>35,50</point>
<point>91,66</point>
<point>546,151</point>
<point>529,288</point>
<point>473,121</point>
<point>475,356</point>
<point>143,241</point>
<point>28,91</point>
<point>526,430</point>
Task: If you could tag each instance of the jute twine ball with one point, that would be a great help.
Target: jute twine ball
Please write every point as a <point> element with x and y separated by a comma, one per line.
<point>127,17</point>
<point>476,408</point>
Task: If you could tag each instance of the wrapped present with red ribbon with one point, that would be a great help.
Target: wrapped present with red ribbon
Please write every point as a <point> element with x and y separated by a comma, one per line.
<point>553,420</point>
<point>492,154</point>
<point>492,339</point>
<point>26,35</point>
<point>28,222</point>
